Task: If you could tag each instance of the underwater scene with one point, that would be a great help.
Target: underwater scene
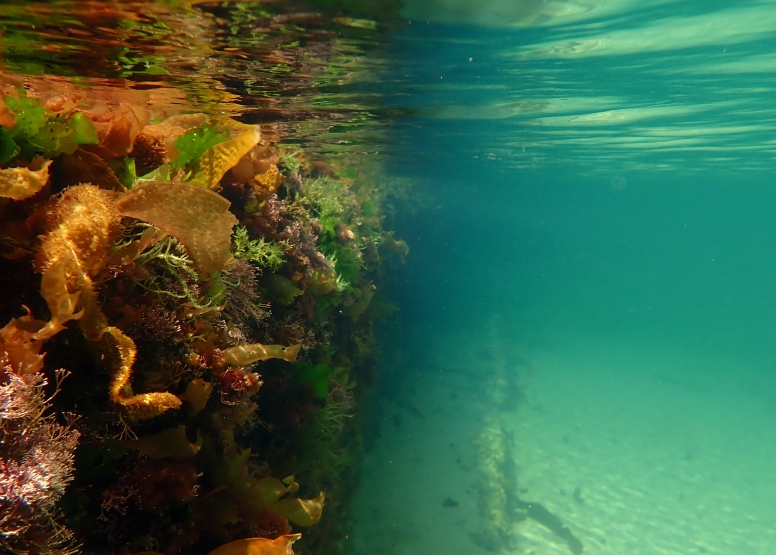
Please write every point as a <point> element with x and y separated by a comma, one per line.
<point>387,277</point>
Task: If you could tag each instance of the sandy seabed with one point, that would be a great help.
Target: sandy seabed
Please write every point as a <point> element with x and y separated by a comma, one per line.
<point>640,448</point>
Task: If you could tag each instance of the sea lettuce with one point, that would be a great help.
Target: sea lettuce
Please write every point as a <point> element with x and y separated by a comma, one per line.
<point>192,145</point>
<point>35,133</point>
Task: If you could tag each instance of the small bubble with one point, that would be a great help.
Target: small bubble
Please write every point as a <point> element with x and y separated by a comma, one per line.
<point>618,183</point>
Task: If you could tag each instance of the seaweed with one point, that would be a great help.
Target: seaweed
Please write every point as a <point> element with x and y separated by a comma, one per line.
<point>266,254</point>
<point>181,210</point>
<point>316,375</point>
<point>35,133</point>
<point>23,182</point>
<point>36,451</point>
<point>193,144</point>
<point>183,337</point>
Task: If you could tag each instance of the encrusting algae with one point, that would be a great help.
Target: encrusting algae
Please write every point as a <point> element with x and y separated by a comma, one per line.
<point>166,261</point>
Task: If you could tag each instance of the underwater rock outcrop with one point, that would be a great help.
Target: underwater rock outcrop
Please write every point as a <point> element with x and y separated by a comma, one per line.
<point>501,508</point>
<point>176,271</point>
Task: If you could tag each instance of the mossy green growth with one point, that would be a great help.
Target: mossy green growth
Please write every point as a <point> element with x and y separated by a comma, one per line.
<point>289,160</point>
<point>345,259</point>
<point>169,257</point>
<point>192,145</point>
<point>329,199</point>
<point>368,208</point>
<point>317,375</point>
<point>280,289</point>
<point>34,133</point>
<point>266,254</point>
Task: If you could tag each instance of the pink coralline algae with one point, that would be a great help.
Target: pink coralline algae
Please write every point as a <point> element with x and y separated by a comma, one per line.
<point>36,464</point>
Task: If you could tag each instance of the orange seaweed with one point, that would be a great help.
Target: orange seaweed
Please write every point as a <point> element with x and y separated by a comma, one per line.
<point>266,183</point>
<point>117,128</point>
<point>19,346</point>
<point>243,355</point>
<point>251,546</point>
<point>259,546</point>
<point>142,406</point>
<point>70,255</point>
<point>197,217</point>
<point>212,165</point>
<point>23,182</point>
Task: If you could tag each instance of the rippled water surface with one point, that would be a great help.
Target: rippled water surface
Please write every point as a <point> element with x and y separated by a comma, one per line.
<point>285,63</point>
<point>681,87</point>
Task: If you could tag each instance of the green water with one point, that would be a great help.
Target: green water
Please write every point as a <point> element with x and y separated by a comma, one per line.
<point>591,280</point>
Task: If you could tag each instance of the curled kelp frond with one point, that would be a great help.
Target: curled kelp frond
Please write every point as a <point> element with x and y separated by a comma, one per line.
<point>252,546</point>
<point>120,352</point>
<point>73,253</point>
<point>259,546</point>
<point>70,255</point>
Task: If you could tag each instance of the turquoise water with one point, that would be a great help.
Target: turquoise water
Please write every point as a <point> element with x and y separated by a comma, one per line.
<point>588,311</point>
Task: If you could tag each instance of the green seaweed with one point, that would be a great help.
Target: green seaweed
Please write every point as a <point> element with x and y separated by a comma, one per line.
<point>329,198</point>
<point>125,171</point>
<point>192,145</point>
<point>34,133</point>
<point>171,258</point>
<point>345,260</point>
<point>266,254</point>
<point>281,289</point>
<point>8,147</point>
<point>317,375</point>
<point>290,160</point>
<point>30,116</point>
